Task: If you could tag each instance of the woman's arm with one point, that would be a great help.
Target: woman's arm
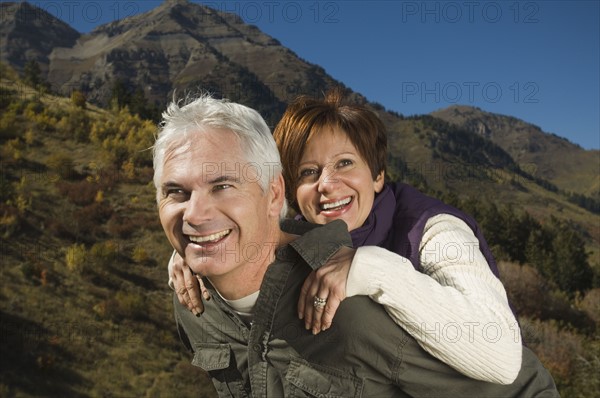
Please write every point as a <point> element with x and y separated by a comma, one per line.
<point>456,309</point>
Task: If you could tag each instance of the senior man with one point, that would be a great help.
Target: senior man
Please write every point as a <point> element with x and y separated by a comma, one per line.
<point>221,198</point>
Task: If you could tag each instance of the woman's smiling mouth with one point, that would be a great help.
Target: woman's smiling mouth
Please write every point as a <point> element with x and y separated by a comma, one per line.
<point>337,205</point>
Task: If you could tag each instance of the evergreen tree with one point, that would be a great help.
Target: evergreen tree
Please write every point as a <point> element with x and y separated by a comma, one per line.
<point>515,231</point>
<point>557,251</point>
<point>538,251</point>
<point>570,270</point>
<point>78,99</point>
<point>139,105</point>
<point>32,74</point>
<point>491,222</point>
<point>120,95</point>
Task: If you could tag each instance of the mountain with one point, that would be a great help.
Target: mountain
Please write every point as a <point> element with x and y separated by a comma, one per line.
<point>183,46</point>
<point>543,155</point>
<point>29,33</point>
<point>179,46</point>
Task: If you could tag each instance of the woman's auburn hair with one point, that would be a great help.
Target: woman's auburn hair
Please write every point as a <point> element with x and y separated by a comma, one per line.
<point>306,117</point>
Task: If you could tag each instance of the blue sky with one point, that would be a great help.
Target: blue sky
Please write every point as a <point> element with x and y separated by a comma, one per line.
<point>536,60</point>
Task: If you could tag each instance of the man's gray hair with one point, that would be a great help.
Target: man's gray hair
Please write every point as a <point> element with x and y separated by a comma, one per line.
<point>204,113</point>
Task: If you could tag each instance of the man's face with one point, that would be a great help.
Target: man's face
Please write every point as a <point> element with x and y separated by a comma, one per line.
<point>212,208</point>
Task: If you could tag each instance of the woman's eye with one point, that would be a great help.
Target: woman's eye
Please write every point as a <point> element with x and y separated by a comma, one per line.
<point>345,162</point>
<point>308,173</point>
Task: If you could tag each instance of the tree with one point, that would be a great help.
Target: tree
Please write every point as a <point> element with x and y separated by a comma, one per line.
<point>32,73</point>
<point>120,95</point>
<point>78,99</point>
<point>557,251</point>
<point>32,76</point>
<point>125,95</point>
<point>570,270</point>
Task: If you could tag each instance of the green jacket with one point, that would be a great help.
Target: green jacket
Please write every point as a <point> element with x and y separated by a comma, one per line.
<point>363,354</point>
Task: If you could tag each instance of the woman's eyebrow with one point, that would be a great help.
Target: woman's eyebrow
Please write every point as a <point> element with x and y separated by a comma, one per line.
<point>333,156</point>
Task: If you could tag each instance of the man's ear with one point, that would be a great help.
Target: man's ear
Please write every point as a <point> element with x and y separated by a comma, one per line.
<point>276,195</point>
<point>379,181</point>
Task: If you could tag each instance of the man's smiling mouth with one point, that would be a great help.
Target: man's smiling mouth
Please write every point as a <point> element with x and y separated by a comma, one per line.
<point>212,238</point>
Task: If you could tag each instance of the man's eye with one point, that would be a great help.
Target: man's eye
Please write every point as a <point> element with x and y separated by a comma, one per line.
<point>221,187</point>
<point>176,193</point>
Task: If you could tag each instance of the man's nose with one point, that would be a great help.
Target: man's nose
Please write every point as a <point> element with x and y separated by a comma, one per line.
<point>198,209</point>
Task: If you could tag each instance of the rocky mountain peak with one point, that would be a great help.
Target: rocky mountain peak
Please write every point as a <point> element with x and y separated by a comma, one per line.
<point>174,3</point>
<point>545,155</point>
<point>30,33</point>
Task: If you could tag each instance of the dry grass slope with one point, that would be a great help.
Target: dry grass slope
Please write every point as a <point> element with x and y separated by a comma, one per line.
<point>85,310</point>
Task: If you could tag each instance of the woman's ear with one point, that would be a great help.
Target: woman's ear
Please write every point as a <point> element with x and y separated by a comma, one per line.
<point>379,181</point>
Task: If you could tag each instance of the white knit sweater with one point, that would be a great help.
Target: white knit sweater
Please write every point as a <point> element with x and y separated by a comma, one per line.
<point>455,308</point>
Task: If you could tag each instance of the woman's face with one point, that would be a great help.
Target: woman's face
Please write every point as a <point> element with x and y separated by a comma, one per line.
<point>334,182</point>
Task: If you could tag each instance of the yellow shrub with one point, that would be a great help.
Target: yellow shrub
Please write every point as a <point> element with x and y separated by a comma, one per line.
<point>104,253</point>
<point>76,258</point>
<point>140,255</point>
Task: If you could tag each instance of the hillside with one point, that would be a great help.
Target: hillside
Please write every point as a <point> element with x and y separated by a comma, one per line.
<point>547,156</point>
<point>85,310</point>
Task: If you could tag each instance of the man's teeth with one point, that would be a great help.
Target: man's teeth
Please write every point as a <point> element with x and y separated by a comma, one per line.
<point>327,206</point>
<point>209,238</point>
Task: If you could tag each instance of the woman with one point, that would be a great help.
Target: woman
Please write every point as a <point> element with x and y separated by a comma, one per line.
<point>427,263</point>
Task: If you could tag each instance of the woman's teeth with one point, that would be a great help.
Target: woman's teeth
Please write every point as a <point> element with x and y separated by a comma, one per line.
<point>209,238</point>
<point>333,205</point>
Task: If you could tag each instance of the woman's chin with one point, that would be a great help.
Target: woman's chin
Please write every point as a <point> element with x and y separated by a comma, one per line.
<point>347,218</point>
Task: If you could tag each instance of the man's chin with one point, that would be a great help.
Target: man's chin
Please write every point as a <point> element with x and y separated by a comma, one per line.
<point>198,265</point>
<point>205,266</point>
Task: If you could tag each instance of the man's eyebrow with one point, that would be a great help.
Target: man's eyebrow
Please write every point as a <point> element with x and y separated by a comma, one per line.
<point>224,178</point>
<point>170,184</point>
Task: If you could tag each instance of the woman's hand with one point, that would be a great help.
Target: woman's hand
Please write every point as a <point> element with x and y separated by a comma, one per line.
<point>328,283</point>
<point>188,287</point>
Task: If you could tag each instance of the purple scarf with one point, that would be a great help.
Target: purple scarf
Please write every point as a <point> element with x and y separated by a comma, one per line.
<point>377,226</point>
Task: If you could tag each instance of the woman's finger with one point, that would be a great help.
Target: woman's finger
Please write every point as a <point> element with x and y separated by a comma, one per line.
<point>179,286</point>
<point>333,302</point>
<point>303,294</point>
<point>311,290</point>
<point>203,290</point>
<point>320,302</point>
<point>192,287</point>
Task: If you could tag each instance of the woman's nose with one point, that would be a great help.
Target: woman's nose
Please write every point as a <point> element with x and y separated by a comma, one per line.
<point>327,180</point>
